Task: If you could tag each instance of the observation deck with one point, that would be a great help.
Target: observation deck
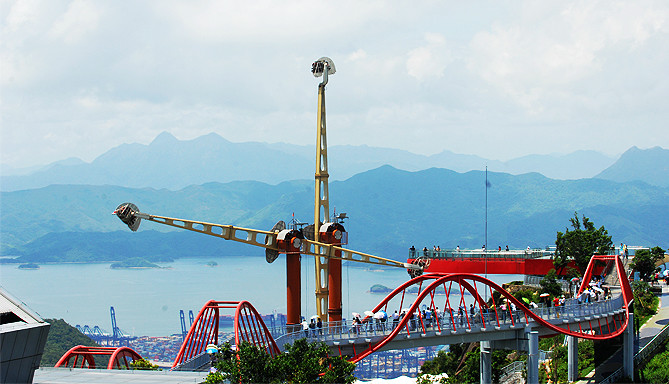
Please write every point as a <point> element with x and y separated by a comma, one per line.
<point>511,262</point>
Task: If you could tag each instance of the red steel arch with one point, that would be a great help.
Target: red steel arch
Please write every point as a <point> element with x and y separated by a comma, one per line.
<point>118,357</point>
<point>248,326</point>
<point>431,285</point>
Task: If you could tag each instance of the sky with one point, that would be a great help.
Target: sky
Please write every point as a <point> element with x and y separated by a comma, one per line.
<point>498,79</point>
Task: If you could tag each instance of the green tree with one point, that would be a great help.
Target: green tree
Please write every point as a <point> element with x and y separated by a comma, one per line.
<point>461,364</point>
<point>580,243</point>
<point>645,302</point>
<point>557,364</point>
<point>144,365</point>
<point>301,362</point>
<point>645,260</point>
<point>549,284</point>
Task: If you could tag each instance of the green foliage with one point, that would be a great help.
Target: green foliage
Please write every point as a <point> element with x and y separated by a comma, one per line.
<point>645,302</point>
<point>557,365</point>
<point>586,357</point>
<point>657,369</point>
<point>645,260</point>
<point>301,362</point>
<point>549,284</point>
<point>62,337</point>
<point>144,365</point>
<point>580,244</point>
<point>462,372</point>
<point>444,362</point>
<point>529,294</point>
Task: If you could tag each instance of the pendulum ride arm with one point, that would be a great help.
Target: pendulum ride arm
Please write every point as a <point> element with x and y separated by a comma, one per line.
<point>327,251</point>
<point>131,216</point>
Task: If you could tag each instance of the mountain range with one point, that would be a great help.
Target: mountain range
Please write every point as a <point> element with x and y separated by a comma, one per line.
<point>389,209</point>
<point>394,198</point>
<point>174,164</point>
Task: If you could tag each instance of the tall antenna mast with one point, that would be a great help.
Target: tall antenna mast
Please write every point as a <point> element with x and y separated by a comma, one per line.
<point>322,67</point>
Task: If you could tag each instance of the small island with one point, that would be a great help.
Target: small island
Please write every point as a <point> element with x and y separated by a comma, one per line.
<point>378,288</point>
<point>29,266</point>
<point>134,263</point>
<point>212,264</point>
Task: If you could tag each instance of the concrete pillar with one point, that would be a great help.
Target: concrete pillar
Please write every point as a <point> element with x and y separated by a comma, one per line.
<point>572,358</point>
<point>533,358</point>
<point>628,348</point>
<point>486,362</point>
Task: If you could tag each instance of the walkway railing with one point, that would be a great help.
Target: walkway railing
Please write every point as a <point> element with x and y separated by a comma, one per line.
<point>479,254</point>
<point>342,331</point>
<point>519,365</point>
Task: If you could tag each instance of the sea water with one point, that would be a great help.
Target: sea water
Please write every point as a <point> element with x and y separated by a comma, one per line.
<point>147,301</point>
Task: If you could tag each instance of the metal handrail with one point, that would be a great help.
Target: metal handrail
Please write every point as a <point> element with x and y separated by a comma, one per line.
<point>480,254</point>
<point>519,365</point>
<point>511,368</point>
<point>339,331</point>
<point>648,349</point>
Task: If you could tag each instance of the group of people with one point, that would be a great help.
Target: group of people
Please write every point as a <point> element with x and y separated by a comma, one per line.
<point>623,251</point>
<point>437,249</point>
<point>312,328</point>
<point>661,276</point>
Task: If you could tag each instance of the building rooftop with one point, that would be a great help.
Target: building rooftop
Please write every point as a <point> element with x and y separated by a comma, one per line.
<point>22,338</point>
<point>114,376</point>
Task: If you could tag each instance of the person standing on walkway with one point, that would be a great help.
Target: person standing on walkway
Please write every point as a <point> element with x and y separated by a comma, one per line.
<point>626,254</point>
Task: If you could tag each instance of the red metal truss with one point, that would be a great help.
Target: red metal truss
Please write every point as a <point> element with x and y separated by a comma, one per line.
<point>82,356</point>
<point>451,288</point>
<point>248,326</point>
<point>454,286</point>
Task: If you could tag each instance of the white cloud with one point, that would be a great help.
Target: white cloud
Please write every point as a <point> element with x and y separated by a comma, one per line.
<point>429,60</point>
<point>80,19</point>
<point>541,55</point>
<point>265,20</point>
<point>83,76</point>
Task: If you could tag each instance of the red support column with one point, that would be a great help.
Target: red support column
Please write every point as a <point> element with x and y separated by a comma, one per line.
<point>334,284</point>
<point>293,289</point>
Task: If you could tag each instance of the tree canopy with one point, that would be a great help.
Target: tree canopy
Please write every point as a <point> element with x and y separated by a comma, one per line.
<point>580,243</point>
<point>301,362</point>
<point>645,260</point>
<point>461,364</point>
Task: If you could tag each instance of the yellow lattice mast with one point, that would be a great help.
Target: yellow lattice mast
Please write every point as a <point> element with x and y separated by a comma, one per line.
<point>322,67</point>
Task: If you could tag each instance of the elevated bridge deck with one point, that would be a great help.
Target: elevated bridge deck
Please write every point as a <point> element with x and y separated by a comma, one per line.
<point>347,339</point>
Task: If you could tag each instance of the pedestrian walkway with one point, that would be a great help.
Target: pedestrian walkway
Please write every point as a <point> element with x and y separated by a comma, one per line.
<point>657,322</point>
<point>649,330</point>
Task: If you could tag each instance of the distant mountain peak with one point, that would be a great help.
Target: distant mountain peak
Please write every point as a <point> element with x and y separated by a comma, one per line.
<point>164,137</point>
<point>650,166</point>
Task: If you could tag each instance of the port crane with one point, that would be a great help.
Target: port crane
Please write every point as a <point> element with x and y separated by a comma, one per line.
<point>323,239</point>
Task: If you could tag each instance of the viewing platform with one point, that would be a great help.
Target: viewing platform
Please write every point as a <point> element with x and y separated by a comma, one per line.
<point>511,262</point>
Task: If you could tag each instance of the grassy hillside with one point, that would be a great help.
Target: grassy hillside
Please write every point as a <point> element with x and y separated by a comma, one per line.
<point>62,337</point>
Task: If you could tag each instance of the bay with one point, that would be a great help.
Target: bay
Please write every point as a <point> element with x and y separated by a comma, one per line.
<point>147,301</point>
